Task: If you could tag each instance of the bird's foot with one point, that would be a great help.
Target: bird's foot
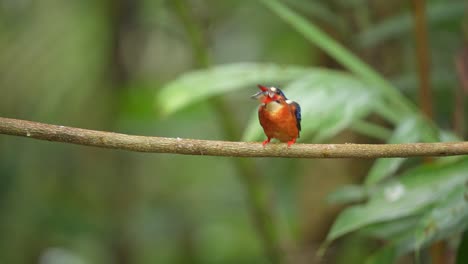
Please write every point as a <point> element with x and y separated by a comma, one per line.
<point>266,141</point>
<point>290,142</point>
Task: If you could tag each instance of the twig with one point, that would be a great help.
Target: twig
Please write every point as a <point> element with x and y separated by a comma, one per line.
<point>111,140</point>
<point>423,57</point>
<point>461,63</point>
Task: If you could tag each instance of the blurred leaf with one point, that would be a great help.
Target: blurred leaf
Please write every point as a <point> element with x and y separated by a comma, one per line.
<point>412,192</point>
<point>402,24</point>
<point>384,255</point>
<point>371,130</point>
<point>413,129</point>
<point>444,219</point>
<point>382,169</point>
<point>351,251</point>
<point>202,84</point>
<point>448,217</point>
<point>348,194</point>
<point>330,102</point>
<point>449,136</point>
<point>391,230</point>
<point>337,51</point>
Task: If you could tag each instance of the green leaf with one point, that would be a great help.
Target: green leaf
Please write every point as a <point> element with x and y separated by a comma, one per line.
<point>449,216</point>
<point>449,136</point>
<point>412,129</point>
<point>199,85</point>
<point>415,190</point>
<point>383,168</point>
<point>384,255</point>
<point>347,194</point>
<point>392,230</point>
<point>372,130</point>
<point>316,36</point>
<point>330,102</point>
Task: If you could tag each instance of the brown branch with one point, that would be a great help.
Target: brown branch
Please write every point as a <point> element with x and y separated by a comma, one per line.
<point>111,140</point>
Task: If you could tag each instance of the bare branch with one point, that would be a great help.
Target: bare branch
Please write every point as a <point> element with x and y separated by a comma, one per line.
<point>111,140</point>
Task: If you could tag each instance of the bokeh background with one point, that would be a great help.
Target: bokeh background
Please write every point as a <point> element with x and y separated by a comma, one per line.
<point>114,65</point>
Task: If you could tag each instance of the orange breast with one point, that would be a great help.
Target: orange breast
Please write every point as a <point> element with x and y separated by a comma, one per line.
<point>279,123</point>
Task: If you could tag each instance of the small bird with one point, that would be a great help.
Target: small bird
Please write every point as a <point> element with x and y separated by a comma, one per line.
<point>279,117</point>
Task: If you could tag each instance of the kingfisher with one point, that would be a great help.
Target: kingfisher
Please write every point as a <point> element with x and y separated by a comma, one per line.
<point>279,116</point>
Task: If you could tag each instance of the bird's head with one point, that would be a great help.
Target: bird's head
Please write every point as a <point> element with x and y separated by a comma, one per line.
<point>268,94</point>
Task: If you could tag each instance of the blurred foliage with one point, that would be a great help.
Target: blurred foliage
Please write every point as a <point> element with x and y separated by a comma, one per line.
<point>129,66</point>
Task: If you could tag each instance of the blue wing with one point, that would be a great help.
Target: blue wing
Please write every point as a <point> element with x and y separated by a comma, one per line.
<point>297,113</point>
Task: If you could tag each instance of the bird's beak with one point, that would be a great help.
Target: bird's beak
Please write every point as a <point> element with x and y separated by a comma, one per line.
<point>258,96</point>
<point>265,92</point>
<point>263,88</point>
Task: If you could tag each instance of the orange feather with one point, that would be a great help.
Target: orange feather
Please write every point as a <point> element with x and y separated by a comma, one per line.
<point>279,123</point>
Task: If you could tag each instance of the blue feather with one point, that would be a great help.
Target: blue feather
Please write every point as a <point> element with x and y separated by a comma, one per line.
<point>282,94</point>
<point>298,115</point>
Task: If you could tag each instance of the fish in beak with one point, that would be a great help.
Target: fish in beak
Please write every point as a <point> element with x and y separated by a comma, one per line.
<point>263,93</point>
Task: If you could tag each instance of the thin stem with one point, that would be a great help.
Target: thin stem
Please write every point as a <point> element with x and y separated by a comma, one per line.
<point>438,249</point>
<point>461,62</point>
<point>423,57</point>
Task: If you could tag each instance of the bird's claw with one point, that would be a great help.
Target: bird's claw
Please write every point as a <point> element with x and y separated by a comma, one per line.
<point>266,141</point>
<point>292,141</point>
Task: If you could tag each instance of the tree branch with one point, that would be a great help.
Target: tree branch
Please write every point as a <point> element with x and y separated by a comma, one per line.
<point>111,140</point>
